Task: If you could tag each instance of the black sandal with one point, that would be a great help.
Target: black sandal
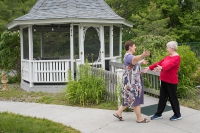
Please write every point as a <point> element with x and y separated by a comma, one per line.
<point>144,121</point>
<point>120,118</point>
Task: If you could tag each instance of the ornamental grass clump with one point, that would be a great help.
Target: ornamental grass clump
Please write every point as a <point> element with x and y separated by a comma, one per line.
<point>88,88</point>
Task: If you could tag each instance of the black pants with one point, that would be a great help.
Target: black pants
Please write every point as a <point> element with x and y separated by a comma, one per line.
<point>168,90</point>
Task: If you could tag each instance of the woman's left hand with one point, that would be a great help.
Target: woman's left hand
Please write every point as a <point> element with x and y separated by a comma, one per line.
<point>158,68</point>
<point>145,62</point>
<point>145,70</point>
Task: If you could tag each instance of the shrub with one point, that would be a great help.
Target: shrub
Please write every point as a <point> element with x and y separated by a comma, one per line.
<point>189,62</point>
<point>155,44</point>
<point>88,88</point>
<point>188,67</point>
<point>185,87</point>
<point>13,79</point>
<point>10,52</point>
<point>196,78</point>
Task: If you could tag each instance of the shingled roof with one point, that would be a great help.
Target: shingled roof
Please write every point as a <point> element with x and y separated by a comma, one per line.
<point>70,11</point>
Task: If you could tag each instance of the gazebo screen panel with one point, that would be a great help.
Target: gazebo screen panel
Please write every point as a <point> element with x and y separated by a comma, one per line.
<point>116,40</point>
<point>107,40</point>
<point>37,45</point>
<point>92,45</point>
<point>25,44</point>
<point>55,42</point>
<point>76,42</point>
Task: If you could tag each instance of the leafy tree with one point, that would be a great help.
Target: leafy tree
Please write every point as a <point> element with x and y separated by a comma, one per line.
<point>170,9</point>
<point>10,52</point>
<point>10,41</point>
<point>190,27</point>
<point>125,8</point>
<point>183,18</point>
<point>12,10</point>
<point>150,22</point>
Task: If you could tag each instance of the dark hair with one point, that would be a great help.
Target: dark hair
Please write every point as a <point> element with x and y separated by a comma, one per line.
<point>127,44</point>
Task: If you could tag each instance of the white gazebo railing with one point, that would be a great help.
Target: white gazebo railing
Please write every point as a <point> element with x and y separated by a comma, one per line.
<point>25,70</point>
<point>46,71</point>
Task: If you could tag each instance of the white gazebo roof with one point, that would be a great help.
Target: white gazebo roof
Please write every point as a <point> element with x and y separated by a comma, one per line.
<point>69,11</point>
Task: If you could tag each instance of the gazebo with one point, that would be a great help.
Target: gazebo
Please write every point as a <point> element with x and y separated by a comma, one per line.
<point>57,35</point>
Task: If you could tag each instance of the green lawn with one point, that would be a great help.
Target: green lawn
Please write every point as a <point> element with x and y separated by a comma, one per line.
<point>13,123</point>
<point>10,123</point>
<point>15,94</point>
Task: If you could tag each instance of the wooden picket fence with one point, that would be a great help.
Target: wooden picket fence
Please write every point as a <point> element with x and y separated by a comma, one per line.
<point>110,82</point>
<point>150,79</point>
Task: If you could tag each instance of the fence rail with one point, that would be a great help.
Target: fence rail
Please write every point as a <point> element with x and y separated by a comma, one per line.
<point>110,79</point>
<point>151,81</point>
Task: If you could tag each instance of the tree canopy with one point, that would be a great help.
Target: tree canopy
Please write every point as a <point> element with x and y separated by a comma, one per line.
<point>177,18</point>
<point>9,10</point>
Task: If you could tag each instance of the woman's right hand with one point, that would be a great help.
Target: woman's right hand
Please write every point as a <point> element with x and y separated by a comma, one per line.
<point>145,70</point>
<point>145,53</point>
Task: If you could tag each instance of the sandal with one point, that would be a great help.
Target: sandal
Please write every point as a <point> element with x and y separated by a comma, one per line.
<point>144,121</point>
<point>120,118</point>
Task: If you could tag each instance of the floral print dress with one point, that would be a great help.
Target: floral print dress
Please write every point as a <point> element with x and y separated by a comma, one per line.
<point>132,86</point>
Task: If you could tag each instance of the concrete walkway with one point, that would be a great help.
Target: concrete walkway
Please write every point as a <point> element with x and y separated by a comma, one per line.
<point>89,120</point>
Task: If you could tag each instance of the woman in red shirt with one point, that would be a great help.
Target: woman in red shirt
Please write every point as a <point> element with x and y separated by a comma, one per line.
<point>168,68</point>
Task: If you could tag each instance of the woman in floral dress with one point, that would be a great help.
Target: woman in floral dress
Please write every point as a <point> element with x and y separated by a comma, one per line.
<point>132,87</point>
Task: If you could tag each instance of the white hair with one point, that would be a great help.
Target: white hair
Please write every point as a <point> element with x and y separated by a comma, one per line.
<point>172,44</point>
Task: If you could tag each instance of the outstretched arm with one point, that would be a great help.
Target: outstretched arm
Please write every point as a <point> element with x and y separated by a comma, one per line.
<point>138,58</point>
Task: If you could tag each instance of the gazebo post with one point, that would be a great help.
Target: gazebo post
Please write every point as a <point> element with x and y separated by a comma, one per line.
<point>111,41</point>
<point>22,48</point>
<point>72,49</point>
<point>102,47</point>
<point>30,36</point>
<point>81,44</point>
<point>120,41</point>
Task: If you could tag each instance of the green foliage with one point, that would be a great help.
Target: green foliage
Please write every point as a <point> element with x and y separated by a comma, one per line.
<point>12,10</point>
<point>179,18</point>
<point>125,8</point>
<point>188,67</point>
<point>194,46</point>
<point>185,87</point>
<point>14,123</point>
<point>171,9</point>
<point>13,79</point>
<point>150,22</point>
<point>89,87</point>
<point>155,44</point>
<point>189,62</point>
<point>196,78</point>
<point>190,26</point>
<point>10,52</point>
